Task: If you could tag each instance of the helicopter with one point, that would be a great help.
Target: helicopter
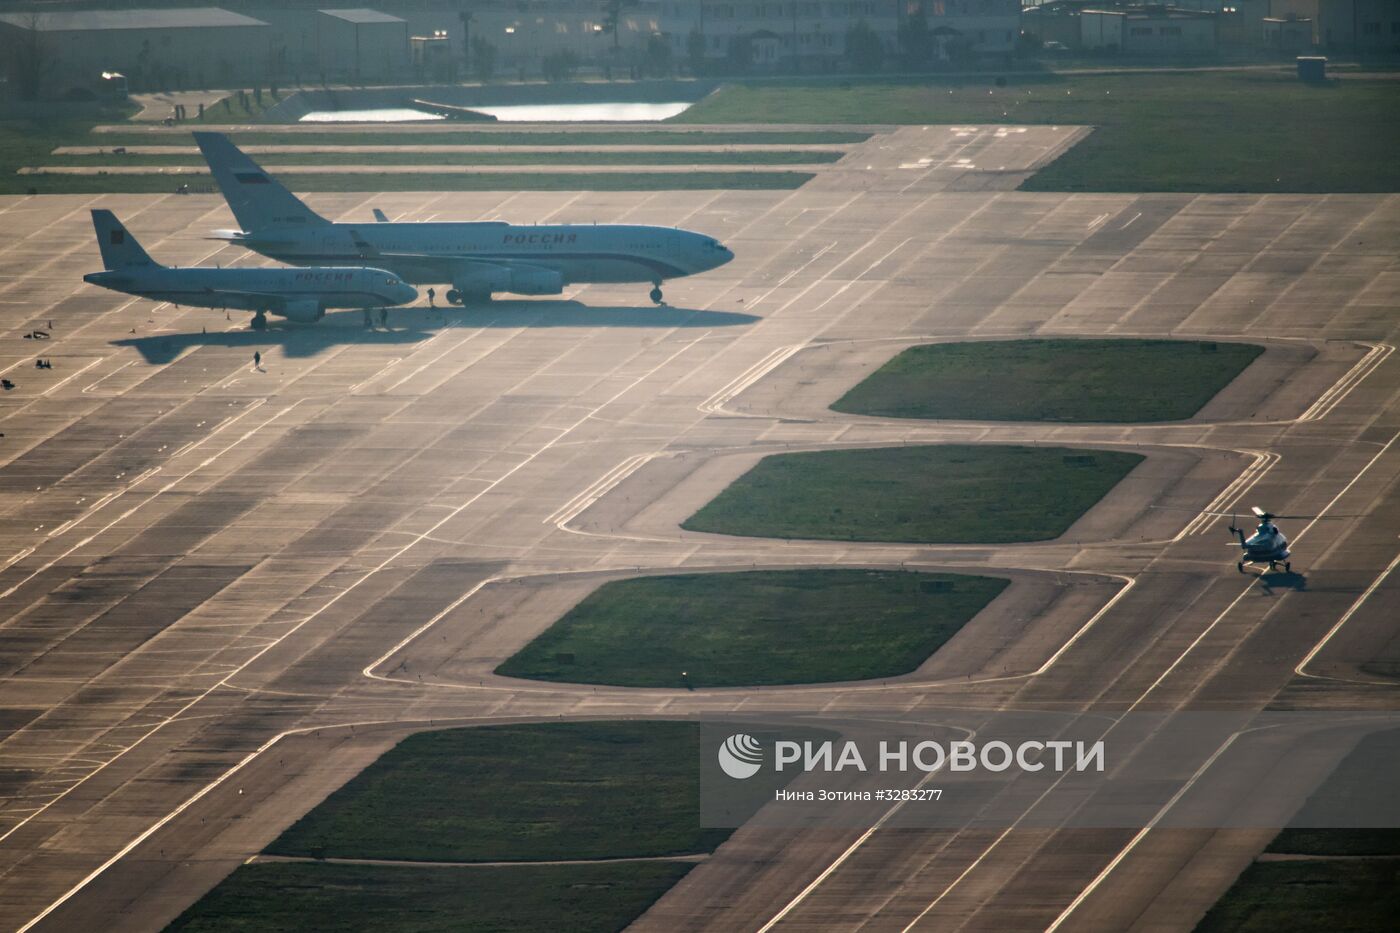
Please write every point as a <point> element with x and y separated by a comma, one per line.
<point>1266,546</point>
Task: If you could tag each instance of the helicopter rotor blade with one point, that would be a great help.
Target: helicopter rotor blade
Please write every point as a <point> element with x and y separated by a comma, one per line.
<point>1182,508</point>
<point>1256,511</point>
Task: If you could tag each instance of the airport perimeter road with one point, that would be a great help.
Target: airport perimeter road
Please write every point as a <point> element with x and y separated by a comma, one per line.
<point>224,591</point>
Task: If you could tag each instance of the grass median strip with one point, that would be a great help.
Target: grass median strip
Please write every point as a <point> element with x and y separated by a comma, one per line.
<point>520,157</point>
<point>754,628</point>
<point>1203,131</point>
<point>934,494</point>
<point>517,793</point>
<point>275,135</point>
<point>1051,380</point>
<point>295,897</point>
<point>1310,896</point>
<point>569,792</point>
<point>1320,879</point>
<point>640,180</point>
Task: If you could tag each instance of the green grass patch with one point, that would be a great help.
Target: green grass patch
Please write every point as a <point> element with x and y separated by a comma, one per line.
<point>1349,842</point>
<point>575,790</point>
<point>230,111</point>
<point>373,136</point>
<point>1366,774</point>
<point>640,180</point>
<point>516,157</point>
<point>754,628</point>
<point>29,141</point>
<point>935,494</point>
<point>1209,131</point>
<point>1345,879</point>
<point>1350,896</point>
<point>1051,380</point>
<point>272,897</point>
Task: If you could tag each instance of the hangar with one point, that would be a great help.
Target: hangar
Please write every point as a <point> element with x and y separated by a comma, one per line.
<point>51,54</point>
<point>361,43</point>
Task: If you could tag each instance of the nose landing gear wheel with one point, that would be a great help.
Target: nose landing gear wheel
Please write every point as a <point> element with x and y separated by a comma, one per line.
<point>1240,566</point>
<point>656,295</point>
<point>259,321</point>
<point>1287,566</point>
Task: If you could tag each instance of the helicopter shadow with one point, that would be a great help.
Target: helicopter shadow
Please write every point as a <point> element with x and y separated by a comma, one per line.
<point>1283,580</point>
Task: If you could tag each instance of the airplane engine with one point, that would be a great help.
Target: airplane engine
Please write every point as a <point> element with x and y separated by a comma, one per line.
<point>532,280</point>
<point>482,279</point>
<point>303,312</point>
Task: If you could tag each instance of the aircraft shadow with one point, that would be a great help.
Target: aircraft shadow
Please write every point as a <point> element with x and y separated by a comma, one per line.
<point>416,324</point>
<point>1275,580</point>
<point>296,340</point>
<point>578,314</point>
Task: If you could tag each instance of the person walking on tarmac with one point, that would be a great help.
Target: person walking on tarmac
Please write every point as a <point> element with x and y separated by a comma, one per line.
<point>257,359</point>
<point>431,295</point>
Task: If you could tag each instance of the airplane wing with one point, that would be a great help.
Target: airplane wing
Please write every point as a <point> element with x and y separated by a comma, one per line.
<point>272,298</point>
<point>367,250</point>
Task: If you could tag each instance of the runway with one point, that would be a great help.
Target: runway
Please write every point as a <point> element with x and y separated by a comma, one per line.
<point>225,591</point>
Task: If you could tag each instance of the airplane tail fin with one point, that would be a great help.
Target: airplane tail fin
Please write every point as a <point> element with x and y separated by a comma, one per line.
<point>258,200</point>
<point>119,248</point>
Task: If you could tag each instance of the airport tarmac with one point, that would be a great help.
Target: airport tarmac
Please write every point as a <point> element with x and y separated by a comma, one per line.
<point>224,591</point>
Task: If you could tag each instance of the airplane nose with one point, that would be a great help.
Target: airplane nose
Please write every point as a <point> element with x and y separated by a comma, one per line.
<point>407,293</point>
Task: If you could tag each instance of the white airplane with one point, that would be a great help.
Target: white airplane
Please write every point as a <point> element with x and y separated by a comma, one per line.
<point>300,295</point>
<point>474,258</point>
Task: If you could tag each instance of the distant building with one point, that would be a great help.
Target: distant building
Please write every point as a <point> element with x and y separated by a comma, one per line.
<point>431,56</point>
<point>1369,27</point>
<point>1149,30</point>
<point>65,52</point>
<point>1055,21</point>
<point>361,44</point>
<point>1288,35</point>
<point>810,35</point>
<point>1240,27</point>
<point>524,33</point>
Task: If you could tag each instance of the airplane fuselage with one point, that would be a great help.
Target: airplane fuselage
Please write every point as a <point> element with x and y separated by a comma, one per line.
<point>498,257</point>
<point>299,294</point>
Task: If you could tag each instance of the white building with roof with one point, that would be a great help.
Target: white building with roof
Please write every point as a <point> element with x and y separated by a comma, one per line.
<point>361,44</point>
<point>65,51</point>
<point>1149,30</point>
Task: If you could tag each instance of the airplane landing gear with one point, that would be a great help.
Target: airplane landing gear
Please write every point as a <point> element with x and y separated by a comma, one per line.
<point>1240,566</point>
<point>655,294</point>
<point>461,297</point>
<point>259,321</point>
<point>1287,566</point>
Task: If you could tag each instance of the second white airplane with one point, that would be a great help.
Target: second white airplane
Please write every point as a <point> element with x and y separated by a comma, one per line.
<point>475,258</point>
<point>300,295</point>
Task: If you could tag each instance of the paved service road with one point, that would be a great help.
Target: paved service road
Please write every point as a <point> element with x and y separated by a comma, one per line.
<point>226,591</point>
